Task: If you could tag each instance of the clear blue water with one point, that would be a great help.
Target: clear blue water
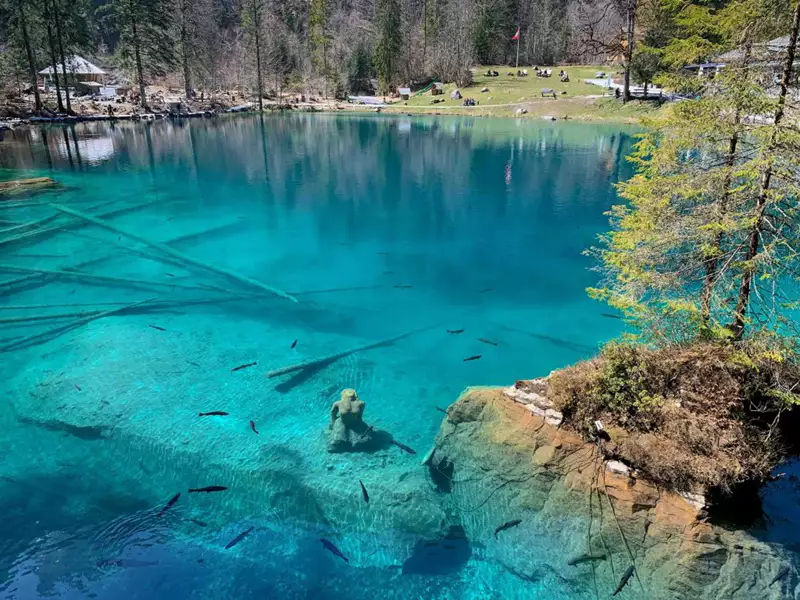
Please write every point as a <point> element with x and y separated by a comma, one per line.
<point>417,225</point>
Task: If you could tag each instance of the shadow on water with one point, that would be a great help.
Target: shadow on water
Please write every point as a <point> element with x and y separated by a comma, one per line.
<point>576,347</point>
<point>303,375</point>
<point>65,502</point>
<point>82,432</point>
<point>443,556</point>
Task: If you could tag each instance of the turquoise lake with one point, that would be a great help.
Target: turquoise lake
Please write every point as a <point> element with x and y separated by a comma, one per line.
<point>379,228</point>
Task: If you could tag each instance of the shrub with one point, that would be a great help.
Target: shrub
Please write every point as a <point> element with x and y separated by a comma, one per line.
<point>690,417</point>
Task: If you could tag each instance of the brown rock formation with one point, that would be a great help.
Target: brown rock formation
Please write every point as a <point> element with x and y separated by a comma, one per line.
<point>499,459</point>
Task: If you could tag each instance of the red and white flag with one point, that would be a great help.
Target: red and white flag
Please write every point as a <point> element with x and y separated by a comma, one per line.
<point>516,36</point>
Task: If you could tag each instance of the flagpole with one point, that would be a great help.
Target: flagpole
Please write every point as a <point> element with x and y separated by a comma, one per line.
<point>517,65</point>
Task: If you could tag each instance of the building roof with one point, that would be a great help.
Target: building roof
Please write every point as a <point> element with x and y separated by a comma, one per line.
<point>76,65</point>
<point>763,51</point>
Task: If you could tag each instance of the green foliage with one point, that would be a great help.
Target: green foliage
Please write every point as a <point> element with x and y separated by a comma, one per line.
<point>389,44</point>
<point>359,71</point>
<point>145,31</point>
<point>680,251</point>
<point>625,385</point>
<point>318,37</point>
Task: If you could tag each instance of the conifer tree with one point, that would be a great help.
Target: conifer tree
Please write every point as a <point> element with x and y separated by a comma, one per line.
<point>390,42</point>
<point>145,40</point>
<point>252,21</point>
<point>319,39</point>
<point>708,242</point>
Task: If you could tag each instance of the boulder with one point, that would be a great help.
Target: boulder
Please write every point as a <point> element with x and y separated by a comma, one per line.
<point>498,457</point>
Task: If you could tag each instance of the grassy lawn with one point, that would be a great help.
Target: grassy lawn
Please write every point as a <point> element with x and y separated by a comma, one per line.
<point>506,95</point>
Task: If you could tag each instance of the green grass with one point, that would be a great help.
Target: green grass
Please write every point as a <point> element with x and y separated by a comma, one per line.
<point>508,94</point>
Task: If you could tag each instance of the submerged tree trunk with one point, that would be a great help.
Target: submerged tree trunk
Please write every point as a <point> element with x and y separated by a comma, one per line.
<point>57,19</point>
<point>31,59</point>
<point>766,179</point>
<point>53,61</point>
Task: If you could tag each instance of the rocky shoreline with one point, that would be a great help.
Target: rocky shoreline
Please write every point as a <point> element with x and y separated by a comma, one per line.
<point>502,449</point>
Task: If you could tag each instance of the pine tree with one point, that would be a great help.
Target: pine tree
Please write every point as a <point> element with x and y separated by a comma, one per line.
<point>145,40</point>
<point>22,38</point>
<point>252,22</point>
<point>390,42</point>
<point>319,39</point>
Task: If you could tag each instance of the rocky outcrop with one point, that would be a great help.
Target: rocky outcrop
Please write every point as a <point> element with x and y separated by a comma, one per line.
<point>500,456</point>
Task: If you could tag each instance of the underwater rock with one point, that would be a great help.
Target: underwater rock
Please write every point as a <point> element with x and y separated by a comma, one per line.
<point>511,462</point>
<point>347,431</point>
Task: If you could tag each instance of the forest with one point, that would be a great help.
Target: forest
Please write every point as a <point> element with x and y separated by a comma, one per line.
<point>336,47</point>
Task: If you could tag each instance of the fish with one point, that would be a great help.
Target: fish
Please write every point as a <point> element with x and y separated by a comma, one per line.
<point>213,413</point>
<point>440,409</point>
<point>403,447</point>
<point>253,427</point>
<point>484,290</point>
<point>77,387</point>
<point>169,274</point>
<point>125,562</point>
<point>294,343</point>
<point>210,488</point>
<point>199,522</point>
<point>473,357</point>
<point>194,364</point>
<point>404,287</point>
<point>782,572</point>
<point>485,341</point>
<point>364,493</point>
<point>388,273</point>
<point>331,547</point>
<point>238,538</point>
<point>455,331</point>
<point>157,327</point>
<point>610,316</point>
<point>507,525</point>
<point>585,558</point>
<point>625,577</point>
<point>240,367</point>
<point>382,253</point>
<point>171,502</point>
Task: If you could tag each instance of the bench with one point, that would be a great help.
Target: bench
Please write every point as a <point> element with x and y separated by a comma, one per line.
<point>549,92</point>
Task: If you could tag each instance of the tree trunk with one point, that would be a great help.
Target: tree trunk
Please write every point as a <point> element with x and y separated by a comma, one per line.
<point>766,179</point>
<point>424,33</point>
<point>187,75</point>
<point>631,18</point>
<point>57,20</point>
<point>712,263</point>
<point>53,62</point>
<point>257,28</point>
<point>31,59</point>
<point>139,69</point>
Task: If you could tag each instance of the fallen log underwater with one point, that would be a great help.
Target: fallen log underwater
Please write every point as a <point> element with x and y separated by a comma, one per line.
<point>172,252</point>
